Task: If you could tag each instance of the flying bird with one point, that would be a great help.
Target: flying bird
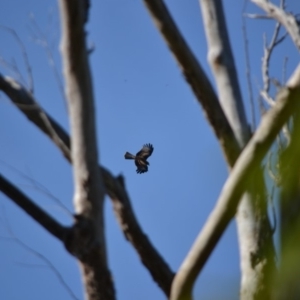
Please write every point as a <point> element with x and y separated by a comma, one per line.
<point>140,158</point>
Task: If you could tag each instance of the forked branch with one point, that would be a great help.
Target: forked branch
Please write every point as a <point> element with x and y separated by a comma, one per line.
<point>287,20</point>
<point>196,78</point>
<point>225,209</point>
<point>115,188</point>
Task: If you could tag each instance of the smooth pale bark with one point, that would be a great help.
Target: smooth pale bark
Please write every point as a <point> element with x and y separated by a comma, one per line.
<point>87,241</point>
<point>196,78</point>
<point>287,101</point>
<point>288,20</point>
<point>233,122</point>
<point>254,230</point>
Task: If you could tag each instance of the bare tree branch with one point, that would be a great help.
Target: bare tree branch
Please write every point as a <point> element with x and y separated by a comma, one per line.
<point>88,241</point>
<point>245,166</point>
<point>222,64</point>
<point>39,215</point>
<point>25,102</point>
<point>248,66</point>
<point>150,257</point>
<point>24,54</point>
<point>196,77</point>
<point>153,261</point>
<point>80,98</point>
<point>268,49</point>
<point>285,19</point>
<point>39,187</point>
<point>39,255</point>
<point>202,87</point>
<point>251,216</point>
<point>41,39</point>
<point>257,16</point>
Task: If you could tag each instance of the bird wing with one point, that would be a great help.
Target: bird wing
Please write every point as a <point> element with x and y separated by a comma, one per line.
<point>141,166</point>
<point>146,151</point>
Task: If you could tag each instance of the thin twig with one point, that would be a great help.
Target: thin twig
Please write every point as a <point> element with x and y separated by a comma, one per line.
<point>14,34</point>
<point>285,61</point>
<point>33,210</point>
<point>39,187</point>
<point>248,66</point>
<point>266,58</point>
<point>257,16</point>
<point>25,102</point>
<point>41,39</point>
<point>268,50</point>
<point>39,255</point>
<point>12,67</point>
<point>287,20</point>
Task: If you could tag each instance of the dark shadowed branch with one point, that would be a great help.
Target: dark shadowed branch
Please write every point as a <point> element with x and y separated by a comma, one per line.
<point>33,210</point>
<point>24,100</point>
<point>150,257</point>
<point>160,271</point>
<point>196,77</point>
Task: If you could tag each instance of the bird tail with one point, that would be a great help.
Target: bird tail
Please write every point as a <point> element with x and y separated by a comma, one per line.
<point>129,156</point>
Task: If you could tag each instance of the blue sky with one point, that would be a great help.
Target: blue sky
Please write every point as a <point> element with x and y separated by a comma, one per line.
<point>141,97</point>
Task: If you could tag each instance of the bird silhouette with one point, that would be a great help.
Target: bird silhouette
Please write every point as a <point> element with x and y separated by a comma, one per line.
<point>140,158</point>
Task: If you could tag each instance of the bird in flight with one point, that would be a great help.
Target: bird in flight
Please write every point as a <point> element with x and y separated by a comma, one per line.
<point>140,158</point>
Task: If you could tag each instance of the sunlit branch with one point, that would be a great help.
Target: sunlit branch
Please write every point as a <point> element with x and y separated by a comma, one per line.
<point>225,209</point>
<point>287,20</point>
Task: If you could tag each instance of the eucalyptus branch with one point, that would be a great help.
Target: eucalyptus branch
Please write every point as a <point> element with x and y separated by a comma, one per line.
<point>115,188</point>
<point>287,20</point>
<point>88,241</point>
<point>222,64</point>
<point>196,78</point>
<point>248,66</point>
<point>225,209</point>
